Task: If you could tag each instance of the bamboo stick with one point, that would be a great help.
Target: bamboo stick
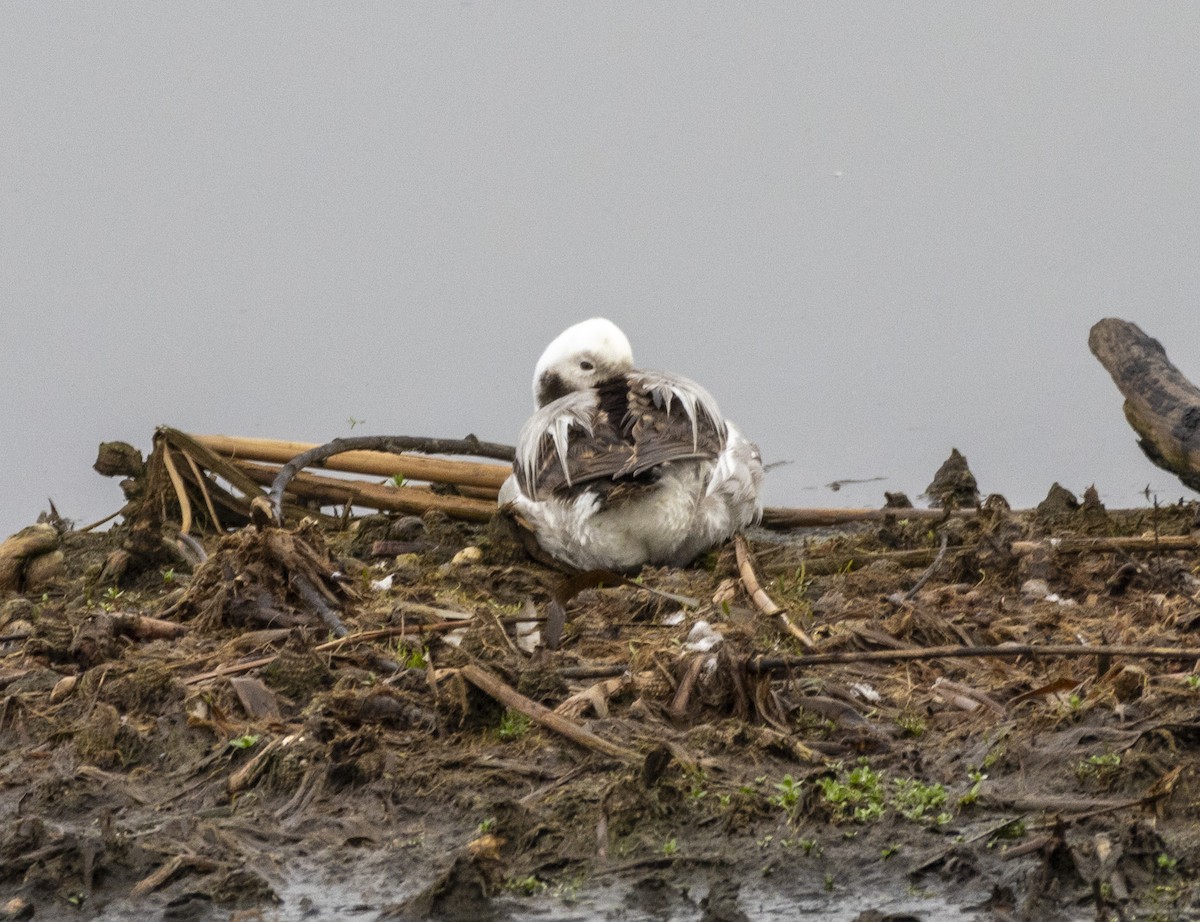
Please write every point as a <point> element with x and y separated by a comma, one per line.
<point>334,491</point>
<point>375,463</point>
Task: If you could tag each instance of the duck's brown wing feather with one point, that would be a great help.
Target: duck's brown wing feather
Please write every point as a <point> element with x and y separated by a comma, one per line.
<point>618,433</point>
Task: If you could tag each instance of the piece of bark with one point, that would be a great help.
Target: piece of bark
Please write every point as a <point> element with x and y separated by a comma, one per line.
<point>17,551</point>
<point>257,700</point>
<point>1161,405</point>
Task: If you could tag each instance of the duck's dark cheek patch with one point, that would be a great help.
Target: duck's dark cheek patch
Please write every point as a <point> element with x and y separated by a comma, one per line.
<point>550,388</point>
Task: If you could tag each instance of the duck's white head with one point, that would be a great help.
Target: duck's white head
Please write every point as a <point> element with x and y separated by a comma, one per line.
<point>581,357</point>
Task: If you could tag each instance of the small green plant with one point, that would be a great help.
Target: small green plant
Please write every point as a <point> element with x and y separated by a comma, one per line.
<point>913,799</point>
<point>513,726</point>
<point>487,825</point>
<point>111,595</point>
<point>354,422</point>
<point>992,757</point>
<point>415,658</point>
<point>526,886</point>
<point>168,576</point>
<point>1100,768</point>
<point>788,798</point>
<point>1013,830</point>
<point>911,724</point>
<point>396,480</point>
<point>1165,864</point>
<point>828,883</point>
<point>810,847</point>
<point>697,792</point>
<point>245,741</point>
<point>889,850</point>
<point>856,794</point>
<point>1072,705</point>
<point>670,847</point>
<point>977,778</point>
<point>1193,681</point>
<point>796,585</point>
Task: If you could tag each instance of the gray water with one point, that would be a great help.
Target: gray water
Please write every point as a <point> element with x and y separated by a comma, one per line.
<point>677,898</point>
<point>874,232</point>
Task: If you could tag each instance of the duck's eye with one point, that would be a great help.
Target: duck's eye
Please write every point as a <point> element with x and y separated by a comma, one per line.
<point>586,365</point>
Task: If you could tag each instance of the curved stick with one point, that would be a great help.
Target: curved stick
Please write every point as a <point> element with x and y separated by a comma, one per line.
<point>396,444</point>
<point>933,568</point>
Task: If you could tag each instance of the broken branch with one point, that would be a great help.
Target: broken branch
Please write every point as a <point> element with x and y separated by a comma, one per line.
<point>491,684</point>
<point>1161,405</point>
<point>764,602</point>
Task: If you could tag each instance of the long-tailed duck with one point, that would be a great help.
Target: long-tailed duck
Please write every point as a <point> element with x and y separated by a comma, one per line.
<point>618,467</point>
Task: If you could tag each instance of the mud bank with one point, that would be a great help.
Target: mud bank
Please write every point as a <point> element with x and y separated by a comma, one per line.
<point>244,762</point>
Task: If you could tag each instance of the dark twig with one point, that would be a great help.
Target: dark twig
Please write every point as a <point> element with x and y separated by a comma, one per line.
<point>308,592</point>
<point>932,569</point>
<point>1006,651</point>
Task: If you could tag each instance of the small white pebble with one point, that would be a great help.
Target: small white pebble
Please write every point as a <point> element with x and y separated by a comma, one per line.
<point>467,555</point>
<point>1035,589</point>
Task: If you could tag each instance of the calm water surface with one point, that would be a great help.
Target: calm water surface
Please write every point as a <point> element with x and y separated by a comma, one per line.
<point>873,233</point>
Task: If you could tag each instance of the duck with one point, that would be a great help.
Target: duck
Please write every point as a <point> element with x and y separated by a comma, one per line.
<point>620,468</point>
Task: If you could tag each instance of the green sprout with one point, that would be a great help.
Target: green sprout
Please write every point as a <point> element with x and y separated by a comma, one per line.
<point>513,726</point>
<point>977,778</point>
<point>1101,768</point>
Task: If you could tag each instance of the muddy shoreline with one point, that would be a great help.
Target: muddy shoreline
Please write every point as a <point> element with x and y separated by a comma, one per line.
<point>254,768</point>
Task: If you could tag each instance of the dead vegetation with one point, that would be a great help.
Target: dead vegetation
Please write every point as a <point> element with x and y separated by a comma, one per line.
<point>199,704</point>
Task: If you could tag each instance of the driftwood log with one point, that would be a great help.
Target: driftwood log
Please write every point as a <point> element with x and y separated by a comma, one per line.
<point>1161,405</point>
